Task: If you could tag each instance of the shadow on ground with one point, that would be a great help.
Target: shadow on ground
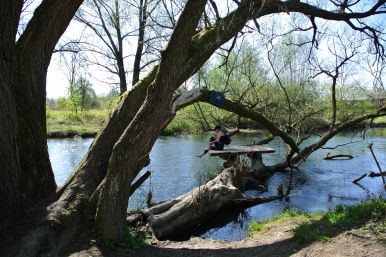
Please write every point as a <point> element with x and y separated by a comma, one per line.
<point>305,234</point>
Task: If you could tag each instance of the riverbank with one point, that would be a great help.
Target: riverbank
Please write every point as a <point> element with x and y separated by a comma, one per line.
<point>65,124</point>
<point>86,124</point>
<point>348,231</point>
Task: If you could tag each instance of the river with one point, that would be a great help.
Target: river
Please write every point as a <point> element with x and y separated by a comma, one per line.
<point>319,185</point>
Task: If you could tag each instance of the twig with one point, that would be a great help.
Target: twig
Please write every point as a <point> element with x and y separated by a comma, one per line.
<point>378,165</point>
<point>360,178</point>
<point>334,147</point>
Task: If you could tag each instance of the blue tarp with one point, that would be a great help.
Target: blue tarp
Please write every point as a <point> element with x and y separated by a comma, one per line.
<point>217,98</point>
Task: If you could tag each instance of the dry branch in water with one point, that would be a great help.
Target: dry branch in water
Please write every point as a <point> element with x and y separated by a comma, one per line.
<point>338,157</point>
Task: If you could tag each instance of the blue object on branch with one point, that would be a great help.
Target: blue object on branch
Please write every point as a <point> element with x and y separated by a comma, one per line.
<point>217,98</point>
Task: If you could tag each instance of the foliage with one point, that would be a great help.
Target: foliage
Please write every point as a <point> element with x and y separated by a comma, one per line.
<point>81,95</point>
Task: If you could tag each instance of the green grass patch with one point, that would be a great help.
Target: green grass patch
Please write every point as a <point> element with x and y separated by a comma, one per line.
<point>256,226</point>
<point>380,120</point>
<point>367,216</point>
<point>65,121</point>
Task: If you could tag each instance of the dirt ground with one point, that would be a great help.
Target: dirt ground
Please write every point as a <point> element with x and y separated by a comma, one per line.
<point>277,241</point>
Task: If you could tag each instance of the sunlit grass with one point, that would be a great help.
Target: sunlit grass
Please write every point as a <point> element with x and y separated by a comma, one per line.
<point>65,121</point>
<point>257,226</point>
<point>369,217</point>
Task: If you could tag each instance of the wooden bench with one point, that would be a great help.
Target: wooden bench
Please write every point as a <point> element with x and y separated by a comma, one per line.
<point>231,154</point>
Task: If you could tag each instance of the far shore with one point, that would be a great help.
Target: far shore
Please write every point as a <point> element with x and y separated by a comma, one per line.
<point>91,134</point>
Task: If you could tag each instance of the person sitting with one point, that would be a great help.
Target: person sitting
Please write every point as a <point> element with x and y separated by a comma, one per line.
<point>218,141</point>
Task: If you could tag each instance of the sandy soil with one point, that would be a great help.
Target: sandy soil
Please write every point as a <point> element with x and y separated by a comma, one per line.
<point>274,242</point>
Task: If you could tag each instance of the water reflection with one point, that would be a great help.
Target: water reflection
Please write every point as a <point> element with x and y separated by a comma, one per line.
<point>318,185</point>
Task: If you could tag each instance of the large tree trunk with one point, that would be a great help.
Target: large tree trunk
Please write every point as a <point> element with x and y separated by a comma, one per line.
<point>37,178</point>
<point>140,136</point>
<point>10,200</point>
<point>33,54</point>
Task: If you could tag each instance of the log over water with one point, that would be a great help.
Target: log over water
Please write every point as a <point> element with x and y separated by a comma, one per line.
<point>179,218</point>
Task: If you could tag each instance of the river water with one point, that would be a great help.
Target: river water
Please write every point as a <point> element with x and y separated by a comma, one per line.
<point>319,185</point>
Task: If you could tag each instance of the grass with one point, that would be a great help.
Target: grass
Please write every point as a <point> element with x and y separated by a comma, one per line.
<point>132,240</point>
<point>257,226</point>
<point>368,217</point>
<point>65,121</point>
<point>380,120</point>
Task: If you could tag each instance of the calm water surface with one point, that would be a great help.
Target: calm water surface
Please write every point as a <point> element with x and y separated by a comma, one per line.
<point>319,185</point>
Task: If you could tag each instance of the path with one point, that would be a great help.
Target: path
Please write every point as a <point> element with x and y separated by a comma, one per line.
<point>274,242</point>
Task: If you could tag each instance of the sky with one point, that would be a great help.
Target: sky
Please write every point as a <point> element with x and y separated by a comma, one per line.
<point>57,82</point>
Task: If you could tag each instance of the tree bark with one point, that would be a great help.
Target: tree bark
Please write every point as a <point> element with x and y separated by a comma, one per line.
<point>33,54</point>
<point>140,135</point>
<point>10,200</point>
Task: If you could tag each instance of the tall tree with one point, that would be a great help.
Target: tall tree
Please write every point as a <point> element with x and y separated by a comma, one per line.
<point>100,186</point>
<point>112,33</point>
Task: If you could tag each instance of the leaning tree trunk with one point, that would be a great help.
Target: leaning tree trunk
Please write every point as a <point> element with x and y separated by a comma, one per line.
<point>92,169</point>
<point>140,136</point>
<point>81,186</point>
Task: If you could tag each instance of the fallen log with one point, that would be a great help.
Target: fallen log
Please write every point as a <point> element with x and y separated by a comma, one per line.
<point>177,218</point>
<point>339,157</point>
